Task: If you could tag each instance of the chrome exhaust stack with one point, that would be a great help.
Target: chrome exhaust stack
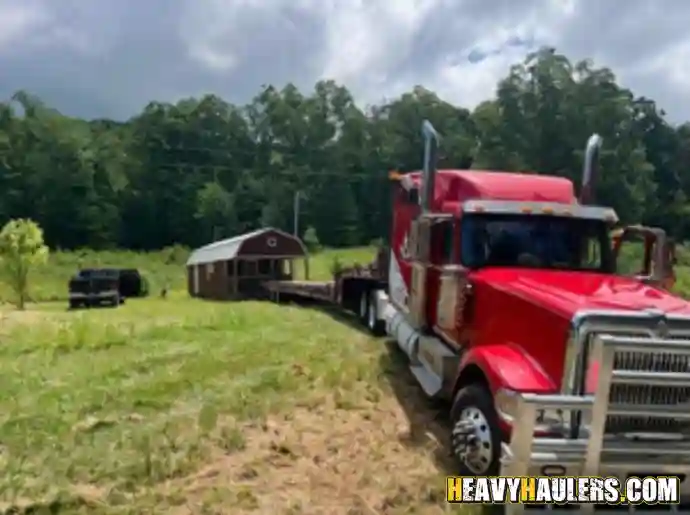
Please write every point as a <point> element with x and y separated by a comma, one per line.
<point>431,143</point>
<point>590,169</point>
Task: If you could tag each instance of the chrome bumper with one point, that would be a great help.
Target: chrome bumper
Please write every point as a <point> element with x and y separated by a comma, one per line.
<point>594,452</point>
<point>106,294</point>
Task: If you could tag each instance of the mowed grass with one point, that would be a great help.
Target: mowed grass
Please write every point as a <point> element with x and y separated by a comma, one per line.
<point>180,405</point>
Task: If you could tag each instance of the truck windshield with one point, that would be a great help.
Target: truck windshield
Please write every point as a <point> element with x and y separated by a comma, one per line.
<point>534,241</point>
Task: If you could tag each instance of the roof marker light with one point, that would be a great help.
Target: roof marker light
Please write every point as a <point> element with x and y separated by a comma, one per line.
<point>547,210</point>
<point>526,209</point>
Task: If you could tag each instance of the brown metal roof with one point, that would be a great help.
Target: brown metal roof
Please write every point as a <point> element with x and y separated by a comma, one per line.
<point>230,248</point>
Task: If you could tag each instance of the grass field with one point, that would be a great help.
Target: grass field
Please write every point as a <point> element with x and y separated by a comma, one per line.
<point>186,406</point>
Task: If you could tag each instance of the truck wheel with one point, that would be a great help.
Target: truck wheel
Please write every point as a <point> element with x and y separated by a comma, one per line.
<point>376,326</point>
<point>476,436</point>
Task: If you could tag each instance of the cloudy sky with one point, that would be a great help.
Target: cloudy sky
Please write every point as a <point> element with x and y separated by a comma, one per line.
<point>107,58</point>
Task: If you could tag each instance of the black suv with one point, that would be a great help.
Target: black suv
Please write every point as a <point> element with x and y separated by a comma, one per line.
<point>94,287</point>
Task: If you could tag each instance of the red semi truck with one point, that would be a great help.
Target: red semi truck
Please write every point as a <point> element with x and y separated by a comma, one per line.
<point>503,291</point>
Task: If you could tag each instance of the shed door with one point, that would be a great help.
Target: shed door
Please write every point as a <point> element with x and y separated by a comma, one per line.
<point>196,280</point>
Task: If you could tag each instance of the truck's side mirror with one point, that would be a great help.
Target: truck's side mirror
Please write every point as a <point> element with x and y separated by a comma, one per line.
<point>650,246</point>
<point>632,253</point>
<point>672,257</point>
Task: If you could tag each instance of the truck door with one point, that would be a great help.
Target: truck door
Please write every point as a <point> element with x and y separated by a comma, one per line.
<point>450,285</point>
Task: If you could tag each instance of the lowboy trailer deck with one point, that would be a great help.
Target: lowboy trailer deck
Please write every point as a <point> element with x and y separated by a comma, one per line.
<point>312,290</point>
<point>352,289</point>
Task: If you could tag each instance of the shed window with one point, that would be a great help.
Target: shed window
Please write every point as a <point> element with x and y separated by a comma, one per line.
<point>264,267</point>
<point>209,270</point>
<point>246,268</point>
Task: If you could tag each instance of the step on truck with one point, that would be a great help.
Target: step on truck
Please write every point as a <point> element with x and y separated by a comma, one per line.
<point>503,291</point>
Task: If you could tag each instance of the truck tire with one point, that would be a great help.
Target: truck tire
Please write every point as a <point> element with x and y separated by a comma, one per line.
<point>376,327</point>
<point>476,434</point>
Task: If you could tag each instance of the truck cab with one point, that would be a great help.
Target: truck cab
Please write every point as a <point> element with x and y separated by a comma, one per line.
<point>505,294</point>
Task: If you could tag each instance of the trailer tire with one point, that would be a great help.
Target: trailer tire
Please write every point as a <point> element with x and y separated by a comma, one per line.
<point>363,307</point>
<point>374,324</point>
<point>476,434</point>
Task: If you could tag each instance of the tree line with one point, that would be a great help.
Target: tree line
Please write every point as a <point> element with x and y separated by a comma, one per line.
<point>202,168</point>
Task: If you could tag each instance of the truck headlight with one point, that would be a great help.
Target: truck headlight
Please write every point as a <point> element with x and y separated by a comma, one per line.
<point>506,402</point>
<point>548,420</point>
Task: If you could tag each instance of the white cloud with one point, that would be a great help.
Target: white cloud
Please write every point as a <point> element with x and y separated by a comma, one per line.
<point>367,38</point>
<point>108,58</point>
<point>16,20</point>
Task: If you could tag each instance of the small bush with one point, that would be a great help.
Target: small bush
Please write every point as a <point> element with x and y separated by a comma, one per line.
<point>337,266</point>
<point>311,240</point>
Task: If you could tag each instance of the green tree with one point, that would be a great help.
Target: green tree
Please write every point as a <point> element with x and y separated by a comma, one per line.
<point>215,211</point>
<point>174,171</point>
<point>21,248</point>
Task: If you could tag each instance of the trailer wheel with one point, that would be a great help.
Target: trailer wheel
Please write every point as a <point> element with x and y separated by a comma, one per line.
<point>476,436</point>
<point>374,324</point>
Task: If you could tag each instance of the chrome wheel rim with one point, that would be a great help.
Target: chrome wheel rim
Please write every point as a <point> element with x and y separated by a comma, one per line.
<point>479,450</point>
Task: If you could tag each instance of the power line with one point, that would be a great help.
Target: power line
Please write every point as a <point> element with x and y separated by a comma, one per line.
<point>273,173</point>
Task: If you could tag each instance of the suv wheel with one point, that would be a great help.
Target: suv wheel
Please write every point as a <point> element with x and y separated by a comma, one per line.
<point>476,436</point>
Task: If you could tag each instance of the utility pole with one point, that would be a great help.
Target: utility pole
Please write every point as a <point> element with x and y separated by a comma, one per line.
<point>295,225</point>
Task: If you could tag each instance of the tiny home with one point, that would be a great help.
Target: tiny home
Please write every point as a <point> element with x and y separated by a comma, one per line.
<point>237,267</point>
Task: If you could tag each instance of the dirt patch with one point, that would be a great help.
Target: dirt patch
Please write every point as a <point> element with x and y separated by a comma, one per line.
<point>11,317</point>
<point>323,460</point>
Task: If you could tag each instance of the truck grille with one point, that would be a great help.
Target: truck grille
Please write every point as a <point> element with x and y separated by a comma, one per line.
<point>646,395</point>
<point>79,286</point>
<point>99,285</point>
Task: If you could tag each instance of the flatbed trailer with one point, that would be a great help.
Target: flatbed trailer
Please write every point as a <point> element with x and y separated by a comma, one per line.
<point>356,289</point>
<point>313,290</point>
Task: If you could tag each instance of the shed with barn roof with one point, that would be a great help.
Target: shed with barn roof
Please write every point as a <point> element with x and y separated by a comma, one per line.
<point>237,267</point>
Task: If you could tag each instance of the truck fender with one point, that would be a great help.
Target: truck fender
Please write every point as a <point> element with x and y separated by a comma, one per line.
<point>502,366</point>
